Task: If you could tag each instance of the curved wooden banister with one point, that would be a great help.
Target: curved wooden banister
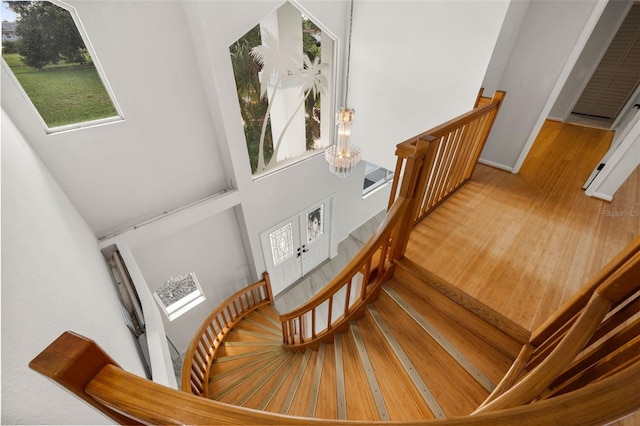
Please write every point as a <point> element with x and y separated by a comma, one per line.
<point>595,404</point>
<point>431,166</point>
<point>130,399</point>
<point>213,331</point>
<point>343,298</point>
<point>619,284</point>
<point>540,378</point>
<point>582,367</point>
<point>573,306</point>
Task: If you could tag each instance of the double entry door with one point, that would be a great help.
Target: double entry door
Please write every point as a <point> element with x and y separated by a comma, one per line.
<point>293,247</point>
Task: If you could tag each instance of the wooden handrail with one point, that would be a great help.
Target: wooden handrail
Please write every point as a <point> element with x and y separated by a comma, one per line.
<point>452,151</point>
<point>567,386</point>
<point>430,167</point>
<point>213,331</point>
<point>573,306</point>
<point>130,399</point>
<point>561,365</point>
<point>72,361</point>
<point>346,295</point>
<point>541,377</point>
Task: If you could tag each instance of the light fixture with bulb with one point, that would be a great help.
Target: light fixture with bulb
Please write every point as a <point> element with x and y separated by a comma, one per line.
<point>342,156</point>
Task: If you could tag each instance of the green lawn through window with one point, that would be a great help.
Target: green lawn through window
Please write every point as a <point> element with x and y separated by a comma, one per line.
<point>64,93</point>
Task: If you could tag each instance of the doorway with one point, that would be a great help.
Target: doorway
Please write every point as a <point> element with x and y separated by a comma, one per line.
<point>615,79</point>
<point>294,247</point>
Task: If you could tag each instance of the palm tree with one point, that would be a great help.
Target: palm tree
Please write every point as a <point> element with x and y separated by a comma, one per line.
<point>279,60</point>
<point>312,81</point>
<point>252,106</point>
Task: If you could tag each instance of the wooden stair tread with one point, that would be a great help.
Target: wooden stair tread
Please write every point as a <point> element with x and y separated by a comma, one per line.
<point>437,368</point>
<point>414,377</point>
<point>492,362</point>
<point>280,403</point>
<point>243,333</point>
<point>451,346</point>
<point>225,389</point>
<point>261,323</point>
<point>269,314</point>
<point>220,371</point>
<point>502,333</point>
<point>259,383</point>
<point>365,361</point>
<point>401,398</point>
<point>236,392</point>
<point>230,352</point>
<point>300,401</point>
<point>402,357</point>
<point>326,406</point>
<point>274,385</point>
<point>360,403</point>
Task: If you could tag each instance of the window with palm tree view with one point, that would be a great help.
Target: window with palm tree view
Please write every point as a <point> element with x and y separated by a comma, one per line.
<point>44,50</point>
<point>284,69</point>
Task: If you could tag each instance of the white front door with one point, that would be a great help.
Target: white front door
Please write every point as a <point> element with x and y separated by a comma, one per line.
<point>294,247</point>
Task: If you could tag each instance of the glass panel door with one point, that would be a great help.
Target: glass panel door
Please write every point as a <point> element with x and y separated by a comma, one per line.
<point>296,246</point>
<point>316,247</point>
<point>282,250</point>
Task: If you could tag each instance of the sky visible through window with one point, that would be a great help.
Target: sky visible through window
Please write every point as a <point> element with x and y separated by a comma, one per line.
<point>7,14</point>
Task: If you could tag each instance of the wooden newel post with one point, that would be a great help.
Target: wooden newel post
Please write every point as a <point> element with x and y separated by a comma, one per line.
<point>410,179</point>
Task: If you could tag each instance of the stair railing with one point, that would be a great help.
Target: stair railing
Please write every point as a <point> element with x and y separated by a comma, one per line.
<point>582,367</point>
<point>430,167</point>
<point>593,336</point>
<point>452,150</point>
<point>213,331</point>
<point>344,298</point>
<point>82,367</point>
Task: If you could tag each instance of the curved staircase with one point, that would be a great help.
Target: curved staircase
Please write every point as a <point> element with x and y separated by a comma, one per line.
<point>399,361</point>
<point>386,340</point>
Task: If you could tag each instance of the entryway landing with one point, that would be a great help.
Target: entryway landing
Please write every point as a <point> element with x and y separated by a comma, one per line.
<point>304,288</point>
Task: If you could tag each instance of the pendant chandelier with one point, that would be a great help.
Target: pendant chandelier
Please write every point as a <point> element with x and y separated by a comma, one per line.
<point>341,156</point>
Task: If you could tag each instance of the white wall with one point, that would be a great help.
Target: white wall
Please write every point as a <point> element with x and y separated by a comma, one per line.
<point>415,65</point>
<point>545,42</point>
<point>623,161</point>
<point>54,279</point>
<point>165,153</point>
<point>516,12</point>
<point>218,238</point>
<point>182,138</point>
<point>269,200</point>
<point>219,264</point>
<point>169,65</point>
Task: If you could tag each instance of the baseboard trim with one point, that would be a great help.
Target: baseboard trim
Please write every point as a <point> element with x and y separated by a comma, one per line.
<point>600,195</point>
<point>495,165</point>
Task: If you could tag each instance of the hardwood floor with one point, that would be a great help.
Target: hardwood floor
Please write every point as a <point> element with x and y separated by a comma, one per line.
<point>524,243</point>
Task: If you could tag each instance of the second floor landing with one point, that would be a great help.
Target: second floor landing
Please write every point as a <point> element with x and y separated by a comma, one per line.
<point>525,243</point>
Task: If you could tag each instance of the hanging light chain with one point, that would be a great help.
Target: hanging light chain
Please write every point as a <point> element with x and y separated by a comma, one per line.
<point>342,156</point>
<point>346,86</point>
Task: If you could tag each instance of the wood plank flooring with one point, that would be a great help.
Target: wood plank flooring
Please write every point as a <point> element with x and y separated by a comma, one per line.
<point>524,243</point>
